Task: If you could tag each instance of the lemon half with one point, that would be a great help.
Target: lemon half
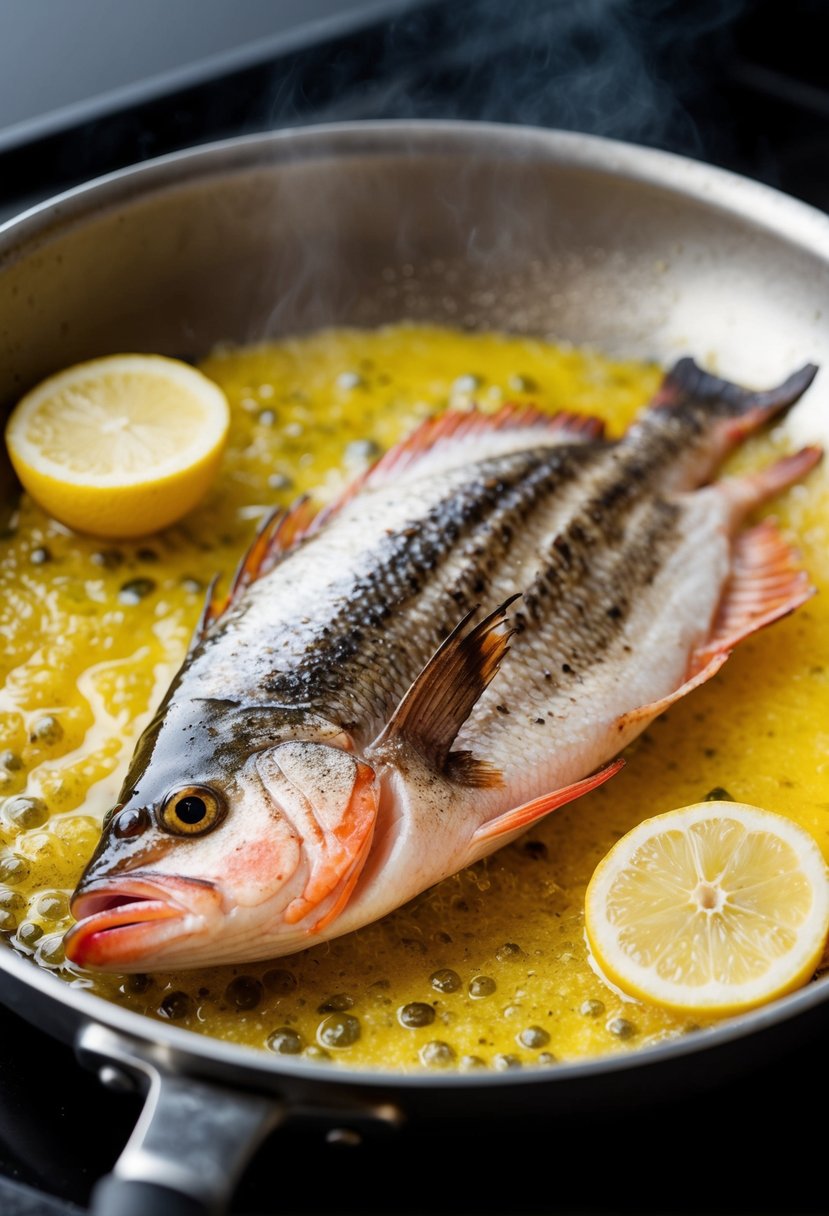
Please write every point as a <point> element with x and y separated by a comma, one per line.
<point>712,908</point>
<point>119,446</point>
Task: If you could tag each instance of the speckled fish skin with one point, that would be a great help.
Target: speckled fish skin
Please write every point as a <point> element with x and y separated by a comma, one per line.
<point>349,770</point>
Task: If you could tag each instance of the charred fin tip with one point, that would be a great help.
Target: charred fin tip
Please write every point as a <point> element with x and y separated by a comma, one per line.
<point>687,381</point>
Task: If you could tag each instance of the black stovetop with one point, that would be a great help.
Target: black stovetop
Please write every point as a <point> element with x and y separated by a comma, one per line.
<point>749,1146</point>
<point>737,83</point>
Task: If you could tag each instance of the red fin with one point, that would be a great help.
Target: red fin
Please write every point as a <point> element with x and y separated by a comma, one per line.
<point>645,713</point>
<point>752,489</point>
<point>456,425</point>
<point>443,695</point>
<point>280,531</point>
<point>766,583</point>
<point>523,816</point>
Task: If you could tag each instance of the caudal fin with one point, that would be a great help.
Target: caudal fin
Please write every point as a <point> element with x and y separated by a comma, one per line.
<point>688,386</point>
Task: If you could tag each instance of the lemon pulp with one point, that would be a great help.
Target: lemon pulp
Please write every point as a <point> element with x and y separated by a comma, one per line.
<point>711,908</point>
<point>93,634</point>
<point>119,446</point>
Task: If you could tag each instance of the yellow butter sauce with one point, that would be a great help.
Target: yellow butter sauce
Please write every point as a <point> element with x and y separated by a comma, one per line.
<point>489,968</point>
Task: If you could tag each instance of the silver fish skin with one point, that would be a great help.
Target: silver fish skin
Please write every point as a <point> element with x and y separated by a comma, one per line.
<point>398,685</point>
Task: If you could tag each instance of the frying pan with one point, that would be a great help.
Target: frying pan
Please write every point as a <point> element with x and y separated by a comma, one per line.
<point>636,252</point>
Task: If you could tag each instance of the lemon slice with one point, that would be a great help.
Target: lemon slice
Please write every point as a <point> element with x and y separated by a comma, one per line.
<point>712,908</point>
<point>119,446</point>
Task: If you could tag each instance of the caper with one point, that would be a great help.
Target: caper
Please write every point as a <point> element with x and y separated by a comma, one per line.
<point>507,1060</point>
<point>10,760</point>
<point>591,1008</point>
<point>547,1057</point>
<point>338,1030</point>
<point>436,1054</point>
<point>508,952</point>
<point>134,591</point>
<point>40,556</point>
<point>13,869</point>
<point>46,730</point>
<point>25,813</point>
<point>718,794</point>
<point>349,380</point>
<point>139,982</point>
<point>415,1015</point>
<point>279,981</point>
<point>470,1063</point>
<point>445,980</point>
<point>481,986</point>
<point>622,1028</point>
<point>11,901</point>
<point>175,1005</point>
<point>533,1037</point>
<point>285,1041</point>
<point>362,450</point>
<point>109,559</point>
<point>29,933</point>
<point>466,384</point>
<point>244,992</point>
<point>8,920</point>
<point>337,1003</point>
<point>522,384</point>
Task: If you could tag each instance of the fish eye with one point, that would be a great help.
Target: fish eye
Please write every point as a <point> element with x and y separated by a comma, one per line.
<point>191,811</point>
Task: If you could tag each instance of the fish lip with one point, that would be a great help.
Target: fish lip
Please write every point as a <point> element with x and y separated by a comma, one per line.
<point>119,921</point>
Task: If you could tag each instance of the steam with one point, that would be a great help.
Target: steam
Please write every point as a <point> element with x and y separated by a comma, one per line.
<point>618,68</point>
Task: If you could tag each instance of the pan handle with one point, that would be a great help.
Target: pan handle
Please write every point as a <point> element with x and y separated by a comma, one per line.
<point>190,1144</point>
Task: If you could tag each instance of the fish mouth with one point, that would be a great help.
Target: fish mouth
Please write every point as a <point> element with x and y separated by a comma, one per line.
<point>123,926</point>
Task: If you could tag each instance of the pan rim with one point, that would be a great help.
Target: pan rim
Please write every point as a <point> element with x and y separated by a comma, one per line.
<point>253,1062</point>
<point>793,222</point>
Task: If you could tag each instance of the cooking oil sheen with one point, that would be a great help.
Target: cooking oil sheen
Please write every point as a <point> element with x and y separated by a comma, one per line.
<point>489,968</point>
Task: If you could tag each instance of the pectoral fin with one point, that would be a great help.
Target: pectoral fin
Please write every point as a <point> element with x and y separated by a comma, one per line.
<point>443,696</point>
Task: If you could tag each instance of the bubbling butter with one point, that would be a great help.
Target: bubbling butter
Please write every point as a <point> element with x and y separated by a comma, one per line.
<point>489,968</point>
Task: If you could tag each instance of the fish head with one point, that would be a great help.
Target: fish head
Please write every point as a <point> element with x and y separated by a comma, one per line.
<point>225,863</point>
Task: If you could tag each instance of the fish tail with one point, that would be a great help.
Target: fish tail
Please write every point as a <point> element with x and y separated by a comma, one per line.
<point>687,386</point>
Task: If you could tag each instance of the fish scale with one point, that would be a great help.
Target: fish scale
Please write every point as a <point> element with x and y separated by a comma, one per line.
<point>405,682</point>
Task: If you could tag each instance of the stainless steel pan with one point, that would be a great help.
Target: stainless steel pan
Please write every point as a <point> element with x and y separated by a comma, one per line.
<point>634,251</point>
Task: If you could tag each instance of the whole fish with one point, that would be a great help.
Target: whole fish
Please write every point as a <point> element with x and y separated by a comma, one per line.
<point>401,684</point>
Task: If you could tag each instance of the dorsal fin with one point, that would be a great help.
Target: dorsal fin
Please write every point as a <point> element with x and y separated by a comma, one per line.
<point>278,533</point>
<point>442,698</point>
<point>461,426</point>
<point>282,529</point>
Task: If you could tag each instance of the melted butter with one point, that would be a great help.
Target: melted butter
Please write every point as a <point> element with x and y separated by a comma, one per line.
<point>492,960</point>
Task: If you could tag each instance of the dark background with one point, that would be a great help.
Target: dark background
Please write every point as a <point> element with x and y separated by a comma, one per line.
<point>740,84</point>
